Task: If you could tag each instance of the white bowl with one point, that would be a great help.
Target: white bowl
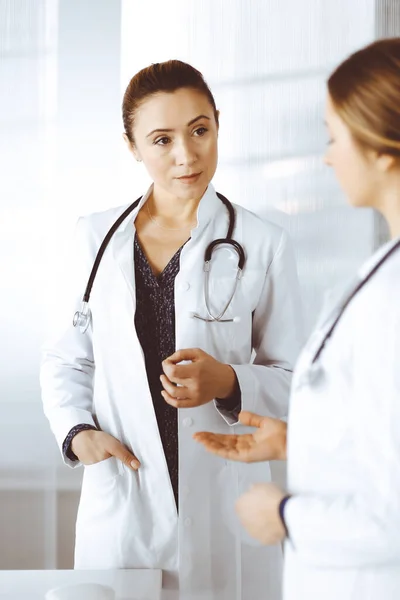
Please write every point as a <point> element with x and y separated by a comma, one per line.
<point>81,591</point>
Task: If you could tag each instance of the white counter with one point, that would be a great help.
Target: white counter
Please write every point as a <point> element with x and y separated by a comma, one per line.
<point>136,584</point>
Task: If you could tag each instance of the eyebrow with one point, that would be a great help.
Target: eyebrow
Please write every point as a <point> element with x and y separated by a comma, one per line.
<point>188,125</point>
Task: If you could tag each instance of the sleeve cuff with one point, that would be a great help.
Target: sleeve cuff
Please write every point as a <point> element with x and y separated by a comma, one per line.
<point>246,383</point>
<point>229,408</point>
<point>62,420</point>
<point>281,510</point>
<point>66,447</point>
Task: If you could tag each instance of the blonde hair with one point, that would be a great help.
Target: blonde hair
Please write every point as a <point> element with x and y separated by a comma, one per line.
<point>365,92</point>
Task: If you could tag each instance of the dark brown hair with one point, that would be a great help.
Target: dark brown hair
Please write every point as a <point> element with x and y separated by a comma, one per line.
<point>167,76</point>
<point>365,92</point>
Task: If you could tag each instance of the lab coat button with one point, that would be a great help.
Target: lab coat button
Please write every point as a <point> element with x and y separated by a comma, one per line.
<point>187,422</point>
<point>184,286</point>
<point>188,522</point>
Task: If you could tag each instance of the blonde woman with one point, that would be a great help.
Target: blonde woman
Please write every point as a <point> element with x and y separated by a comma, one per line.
<point>341,514</point>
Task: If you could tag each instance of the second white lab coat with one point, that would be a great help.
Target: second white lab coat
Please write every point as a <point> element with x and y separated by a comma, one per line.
<point>344,450</point>
<point>128,519</point>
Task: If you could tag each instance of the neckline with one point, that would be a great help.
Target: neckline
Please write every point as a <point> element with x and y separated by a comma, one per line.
<point>168,267</point>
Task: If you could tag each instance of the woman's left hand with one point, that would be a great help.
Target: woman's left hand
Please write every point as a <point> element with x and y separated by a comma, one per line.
<point>199,381</point>
<point>258,511</point>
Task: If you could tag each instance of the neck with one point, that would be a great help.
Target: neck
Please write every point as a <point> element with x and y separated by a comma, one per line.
<point>394,226</point>
<point>389,207</point>
<point>172,208</point>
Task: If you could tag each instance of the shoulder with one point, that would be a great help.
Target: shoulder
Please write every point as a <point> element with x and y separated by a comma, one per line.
<point>102,220</point>
<point>379,299</point>
<point>264,237</point>
<point>384,285</point>
<point>92,228</point>
<point>259,226</point>
<point>375,320</point>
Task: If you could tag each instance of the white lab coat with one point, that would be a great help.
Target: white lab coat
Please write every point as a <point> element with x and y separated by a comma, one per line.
<point>344,451</point>
<point>129,519</point>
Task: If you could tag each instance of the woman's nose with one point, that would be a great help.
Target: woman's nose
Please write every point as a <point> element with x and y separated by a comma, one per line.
<point>185,154</point>
<point>326,159</point>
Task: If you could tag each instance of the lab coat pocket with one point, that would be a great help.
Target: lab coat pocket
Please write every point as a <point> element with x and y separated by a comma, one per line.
<point>231,338</point>
<point>220,295</point>
<point>233,481</point>
<point>103,470</point>
<point>99,491</point>
<point>220,333</point>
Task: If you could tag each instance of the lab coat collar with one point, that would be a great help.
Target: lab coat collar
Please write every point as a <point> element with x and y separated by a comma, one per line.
<point>337,297</point>
<point>207,208</point>
<point>369,264</point>
<point>122,239</point>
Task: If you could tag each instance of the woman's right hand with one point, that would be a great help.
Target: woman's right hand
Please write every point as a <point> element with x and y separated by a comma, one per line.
<point>268,442</point>
<point>92,446</point>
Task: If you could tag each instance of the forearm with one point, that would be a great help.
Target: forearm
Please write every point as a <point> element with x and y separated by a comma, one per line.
<point>265,389</point>
<point>227,384</point>
<point>67,395</point>
<point>342,530</point>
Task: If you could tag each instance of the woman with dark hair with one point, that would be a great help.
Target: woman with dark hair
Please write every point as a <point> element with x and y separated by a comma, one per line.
<point>166,349</point>
<point>342,513</point>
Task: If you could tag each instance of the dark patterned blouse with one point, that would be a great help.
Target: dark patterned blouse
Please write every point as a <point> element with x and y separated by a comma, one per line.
<point>155,328</point>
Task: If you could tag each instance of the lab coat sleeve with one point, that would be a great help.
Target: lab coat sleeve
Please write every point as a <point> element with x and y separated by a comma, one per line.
<point>67,365</point>
<point>362,529</point>
<point>277,337</point>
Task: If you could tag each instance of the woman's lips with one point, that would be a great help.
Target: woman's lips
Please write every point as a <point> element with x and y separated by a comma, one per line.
<point>190,179</point>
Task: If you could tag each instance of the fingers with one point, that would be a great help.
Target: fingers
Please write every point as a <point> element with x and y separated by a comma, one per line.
<point>178,403</point>
<point>175,392</point>
<point>118,450</point>
<point>250,419</point>
<point>186,354</point>
<point>215,443</point>
<point>232,447</point>
<point>177,373</point>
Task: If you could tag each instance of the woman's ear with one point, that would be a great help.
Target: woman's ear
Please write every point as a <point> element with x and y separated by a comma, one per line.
<point>385,162</point>
<point>131,147</point>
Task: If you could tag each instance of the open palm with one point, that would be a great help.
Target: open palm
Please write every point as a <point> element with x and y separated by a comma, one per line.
<point>268,442</point>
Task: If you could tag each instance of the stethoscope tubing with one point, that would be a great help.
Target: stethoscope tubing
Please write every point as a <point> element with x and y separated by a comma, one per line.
<point>82,317</point>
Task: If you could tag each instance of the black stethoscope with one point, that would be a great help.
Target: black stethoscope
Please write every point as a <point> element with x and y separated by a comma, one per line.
<point>83,316</point>
<point>314,372</point>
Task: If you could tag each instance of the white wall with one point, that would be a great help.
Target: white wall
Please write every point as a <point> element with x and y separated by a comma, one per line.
<point>64,67</point>
<point>59,145</point>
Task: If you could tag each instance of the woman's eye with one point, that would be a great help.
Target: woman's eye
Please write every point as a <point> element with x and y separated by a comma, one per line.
<point>329,142</point>
<point>201,131</point>
<point>161,141</point>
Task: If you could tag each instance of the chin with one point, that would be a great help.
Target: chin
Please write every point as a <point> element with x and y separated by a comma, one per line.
<point>195,189</point>
<point>357,202</point>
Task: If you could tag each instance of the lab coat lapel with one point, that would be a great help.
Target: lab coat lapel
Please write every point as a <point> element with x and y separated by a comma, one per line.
<point>123,255</point>
<point>334,301</point>
<point>337,299</point>
<point>123,245</point>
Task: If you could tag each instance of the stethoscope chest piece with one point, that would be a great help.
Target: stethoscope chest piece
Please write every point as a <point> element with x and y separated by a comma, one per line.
<point>313,376</point>
<point>82,318</point>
